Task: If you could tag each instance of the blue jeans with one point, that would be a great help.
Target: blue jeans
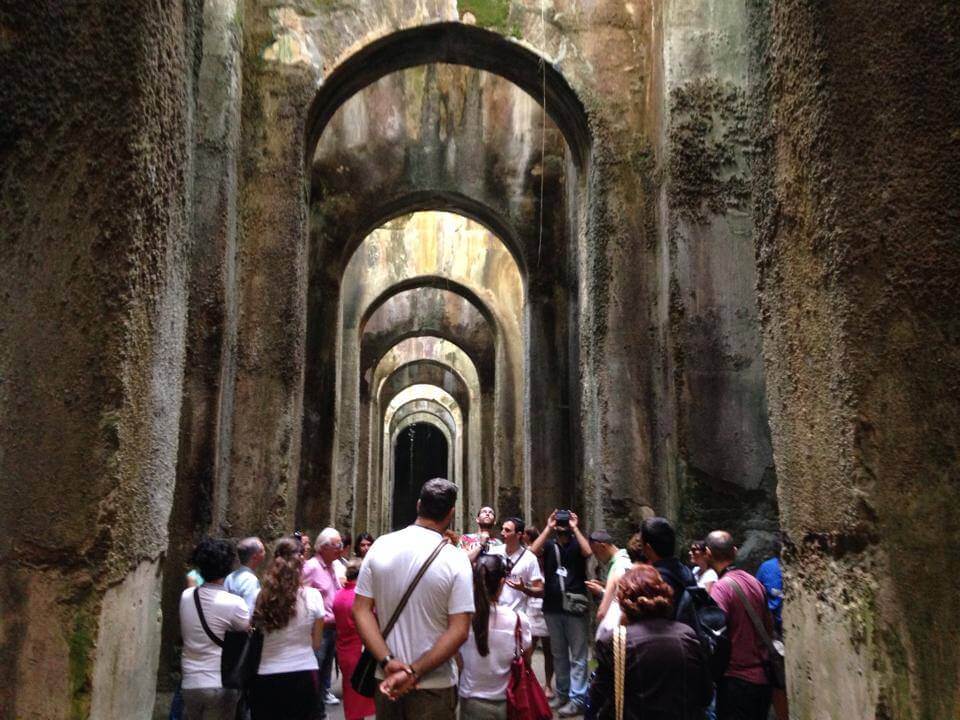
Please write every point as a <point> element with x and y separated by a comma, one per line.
<point>325,657</point>
<point>569,641</point>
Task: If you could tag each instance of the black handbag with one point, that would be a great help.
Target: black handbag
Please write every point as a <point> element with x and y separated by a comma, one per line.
<point>240,651</point>
<point>364,677</point>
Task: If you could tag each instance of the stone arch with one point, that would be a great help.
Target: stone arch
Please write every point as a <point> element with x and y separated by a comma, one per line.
<point>505,302</point>
<point>454,442</point>
<point>408,394</point>
<point>458,44</point>
<point>479,419</point>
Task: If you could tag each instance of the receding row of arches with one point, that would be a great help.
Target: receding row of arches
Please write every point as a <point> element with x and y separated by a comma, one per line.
<point>443,206</point>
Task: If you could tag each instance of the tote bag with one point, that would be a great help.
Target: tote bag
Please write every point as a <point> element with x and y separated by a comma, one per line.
<point>525,697</point>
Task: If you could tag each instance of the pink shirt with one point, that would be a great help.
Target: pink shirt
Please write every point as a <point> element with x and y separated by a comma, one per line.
<point>748,652</point>
<point>323,577</point>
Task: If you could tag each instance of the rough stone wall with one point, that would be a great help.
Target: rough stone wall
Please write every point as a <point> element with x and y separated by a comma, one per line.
<point>858,218</point>
<point>715,461</point>
<point>96,157</point>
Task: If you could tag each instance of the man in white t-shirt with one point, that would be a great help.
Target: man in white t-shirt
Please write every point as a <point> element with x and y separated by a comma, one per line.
<point>203,692</point>
<point>418,673</point>
<point>524,579</point>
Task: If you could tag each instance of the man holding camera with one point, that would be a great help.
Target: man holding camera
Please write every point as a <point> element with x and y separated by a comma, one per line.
<point>565,603</point>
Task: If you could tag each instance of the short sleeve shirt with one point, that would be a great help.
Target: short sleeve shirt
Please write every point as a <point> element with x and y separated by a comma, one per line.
<point>524,567</point>
<point>201,656</point>
<point>290,649</point>
<point>747,651</point>
<point>445,589</point>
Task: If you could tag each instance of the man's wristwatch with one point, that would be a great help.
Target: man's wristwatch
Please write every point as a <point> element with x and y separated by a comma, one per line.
<point>386,659</point>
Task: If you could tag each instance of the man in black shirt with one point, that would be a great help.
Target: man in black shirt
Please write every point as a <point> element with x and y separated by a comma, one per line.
<point>565,606</point>
<point>659,545</point>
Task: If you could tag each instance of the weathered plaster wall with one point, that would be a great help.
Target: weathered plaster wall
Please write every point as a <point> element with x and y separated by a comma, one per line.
<point>96,155</point>
<point>858,201</point>
<point>715,460</point>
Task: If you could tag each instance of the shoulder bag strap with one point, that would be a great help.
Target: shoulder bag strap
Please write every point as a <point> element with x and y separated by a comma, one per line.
<point>619,669</point>
<point>410,589</point>
<point>563,585</point>
<point>203,621</point>
<point>757,623</point>
<point>518,645</point>
<point>519,558</point>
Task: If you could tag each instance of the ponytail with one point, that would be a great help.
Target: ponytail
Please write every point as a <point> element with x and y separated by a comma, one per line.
<point>488,573</point>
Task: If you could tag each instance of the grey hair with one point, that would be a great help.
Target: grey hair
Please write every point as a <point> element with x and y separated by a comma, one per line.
<point>247,548</point>
<point>326,536</point>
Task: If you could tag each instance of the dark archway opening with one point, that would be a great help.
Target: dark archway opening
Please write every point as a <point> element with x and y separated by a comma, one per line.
<point>421,453</point>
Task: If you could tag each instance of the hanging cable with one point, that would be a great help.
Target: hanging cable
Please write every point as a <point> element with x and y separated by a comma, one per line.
<point>543,119</point>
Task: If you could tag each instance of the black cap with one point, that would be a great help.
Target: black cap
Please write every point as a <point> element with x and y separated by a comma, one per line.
<point>601,536</point>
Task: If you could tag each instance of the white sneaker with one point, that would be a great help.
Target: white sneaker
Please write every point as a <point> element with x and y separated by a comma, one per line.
<point>330,699</point>
<point>571,709</point>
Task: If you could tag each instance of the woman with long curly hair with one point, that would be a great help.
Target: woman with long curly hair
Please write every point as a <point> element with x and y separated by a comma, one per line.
<point>667,676</point>
<point>291,619</point>
<point>486,655</point>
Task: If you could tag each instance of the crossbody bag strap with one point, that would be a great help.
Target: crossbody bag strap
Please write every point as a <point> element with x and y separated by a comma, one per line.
<point>410,589</point>
<point>517,561</point>
<point>518,645</point>
<point>563,585</point>
<point>203,621</point>
<point>757,623</point>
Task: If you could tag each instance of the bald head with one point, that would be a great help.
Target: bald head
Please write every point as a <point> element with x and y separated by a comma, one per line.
<point>721,547</point>
<point>250,552</point>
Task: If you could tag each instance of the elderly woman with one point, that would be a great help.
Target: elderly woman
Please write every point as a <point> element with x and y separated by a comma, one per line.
<point>667,677</point>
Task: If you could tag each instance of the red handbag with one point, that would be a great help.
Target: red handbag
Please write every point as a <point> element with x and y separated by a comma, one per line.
<point>525,697</point>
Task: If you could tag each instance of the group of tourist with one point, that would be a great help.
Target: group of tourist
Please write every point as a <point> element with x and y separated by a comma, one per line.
<point>463,607</point>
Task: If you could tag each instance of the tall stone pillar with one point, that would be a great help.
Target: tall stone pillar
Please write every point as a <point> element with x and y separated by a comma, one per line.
<point>859,260</point>
<point>96,163</point>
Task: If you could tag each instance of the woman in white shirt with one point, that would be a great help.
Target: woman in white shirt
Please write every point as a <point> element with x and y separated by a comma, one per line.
<point>204,696</point>
<point>486,655</point>
<point>291,619</point>
<point>705,575</point>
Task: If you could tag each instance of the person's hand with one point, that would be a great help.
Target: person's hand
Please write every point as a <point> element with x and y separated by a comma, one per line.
<point>516,584</point>
<point>574,521</point>
<point>552,521</point>
<point>398,681</point>
<point>595,587</point>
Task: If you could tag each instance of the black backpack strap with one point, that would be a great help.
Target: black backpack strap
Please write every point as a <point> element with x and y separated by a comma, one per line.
<point>203,621</point>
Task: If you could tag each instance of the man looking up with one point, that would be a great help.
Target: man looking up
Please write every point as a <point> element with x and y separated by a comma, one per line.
<point>416,660</point>
<point>243,581</point>
<point>524,579</point>
<point>612,563</point>
<point>743,692</point>
<point>484,540</point>
<point>660,545</point>
<point>319,572</point>
<point>565,606</point>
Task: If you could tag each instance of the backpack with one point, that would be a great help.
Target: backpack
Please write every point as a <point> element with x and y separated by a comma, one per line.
<point>698,610</point>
